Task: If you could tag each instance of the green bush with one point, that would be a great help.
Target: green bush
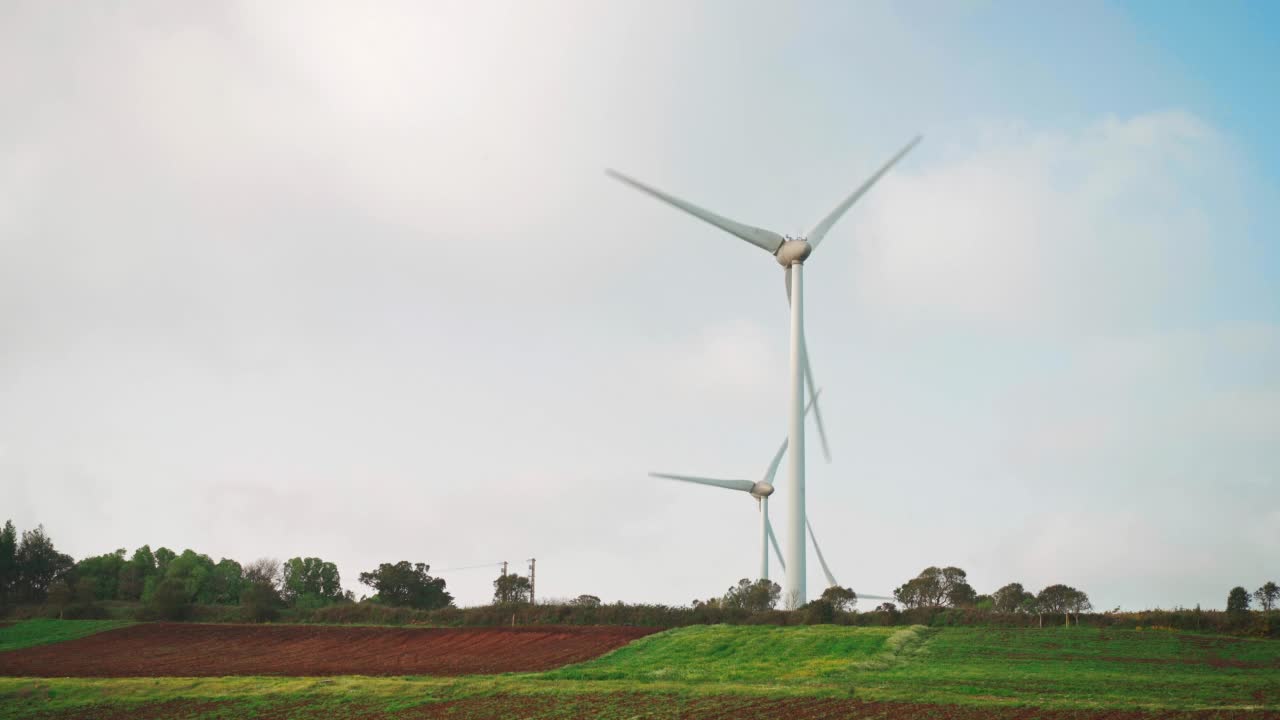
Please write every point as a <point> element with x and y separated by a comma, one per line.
<point>169,601</point>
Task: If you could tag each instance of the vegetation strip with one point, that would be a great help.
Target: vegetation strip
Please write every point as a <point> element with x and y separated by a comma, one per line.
<point>808,671</point>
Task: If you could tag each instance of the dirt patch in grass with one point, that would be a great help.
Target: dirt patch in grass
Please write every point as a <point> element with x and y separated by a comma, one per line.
<point>192,650</point>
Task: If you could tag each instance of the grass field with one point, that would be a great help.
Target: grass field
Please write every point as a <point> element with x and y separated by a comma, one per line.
<point>43,632</point>
<point>748,671</point>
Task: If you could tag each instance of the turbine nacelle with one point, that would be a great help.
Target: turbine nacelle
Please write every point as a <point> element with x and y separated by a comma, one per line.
<point>793,251</point>
<point>761,490</point>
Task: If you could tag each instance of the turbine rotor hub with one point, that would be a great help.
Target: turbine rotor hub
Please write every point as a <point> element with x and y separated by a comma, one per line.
<point>793,252</point>
<point>761,490</point>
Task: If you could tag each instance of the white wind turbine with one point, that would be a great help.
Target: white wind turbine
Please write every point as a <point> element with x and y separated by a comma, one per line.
<point>760,490</point>
<point>790,253</point>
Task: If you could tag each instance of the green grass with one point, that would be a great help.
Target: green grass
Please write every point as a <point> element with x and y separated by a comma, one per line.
<point>762,655</point>
<point>1058,668</point>
<point>42,632</point>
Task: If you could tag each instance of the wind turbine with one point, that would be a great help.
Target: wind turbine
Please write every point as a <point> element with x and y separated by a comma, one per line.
<point>760,490</point>
<point>790,253</point>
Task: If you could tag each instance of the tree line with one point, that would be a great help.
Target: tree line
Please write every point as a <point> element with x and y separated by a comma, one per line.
<point>169,584</point>
<point>949,587</point>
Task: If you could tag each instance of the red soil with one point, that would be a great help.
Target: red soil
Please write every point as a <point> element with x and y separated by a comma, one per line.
<point>187,650</point>
<point>634,706</point>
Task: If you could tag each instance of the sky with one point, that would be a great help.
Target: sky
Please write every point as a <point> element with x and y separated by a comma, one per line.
<point>317,279</point>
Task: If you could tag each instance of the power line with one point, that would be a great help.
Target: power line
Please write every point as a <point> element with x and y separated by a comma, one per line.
<point>472,567</point>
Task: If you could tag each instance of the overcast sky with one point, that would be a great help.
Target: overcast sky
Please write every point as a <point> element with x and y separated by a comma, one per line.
<point>348,281</point>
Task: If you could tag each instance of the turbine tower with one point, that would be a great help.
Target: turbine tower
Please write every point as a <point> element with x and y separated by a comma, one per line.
<point>760,490</point>
<point>791,253</point>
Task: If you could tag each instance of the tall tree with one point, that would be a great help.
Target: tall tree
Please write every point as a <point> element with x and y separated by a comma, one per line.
<point>163,557</point>
<point>841,598</point>
<point>1238,601</point>
<point>8,561</point>
<point>133,575</point>
<point>1011,598</point>
<point>1058,599</point>
<point>101,574</point>
<point>1267,595</point>
<point>226,582</point>
<point>753,596</point>
<point>407,584</point>
<point>39,565</point>
<point>935,587</point>
<point>510,588</point>
<point>311,582</point>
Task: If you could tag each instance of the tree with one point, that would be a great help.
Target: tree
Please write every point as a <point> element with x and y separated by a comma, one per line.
<point>263,571</point>
<point>935,587</point>
<point>509,589</point>
<point>1011,598</point>
<point>39,565</point>
<point>133,576</point>
<point>195,570</point>
<point>8,562</point>
<point>311,582</point>
<point>102,572</point>
<point>753,596</point>
<point>585,601</point>
<point>1267,595</point>
<point>1238,601</point>
<point>1078,602</point>
<point>170,601</point>
<point>163,557</point>
<point>226,581</point>
<point>842,599</point>
<point>406,584</point>
<point>1060,599</point>
<point>1031,606</point>
<point>260,599</point>
<point>887,607</point>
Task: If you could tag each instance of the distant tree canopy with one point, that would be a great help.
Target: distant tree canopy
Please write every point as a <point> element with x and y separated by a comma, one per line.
<point>407,585</point>
<point>585,601</point>
<point>510,588</point>
<point>32,571</point>
<point>38,565</point>
<point>1012,598</point>
<point>8,562</point>
<point>1063,599</point>
<point>753,596</point>
<point>937,587</point>
<point>842,599</point>
<point>311,582</point>
<point>1267,595</point>
<point>1238,600</point>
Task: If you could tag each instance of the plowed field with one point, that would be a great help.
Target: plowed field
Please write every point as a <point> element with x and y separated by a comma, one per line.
<point>189,650</point>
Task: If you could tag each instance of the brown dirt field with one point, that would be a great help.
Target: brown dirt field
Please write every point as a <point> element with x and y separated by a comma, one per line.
<point>193,650</point>
<point>635,706</point>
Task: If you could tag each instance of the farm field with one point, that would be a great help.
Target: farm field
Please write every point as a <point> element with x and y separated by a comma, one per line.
<point>197,650</point>
<point>739,672</point>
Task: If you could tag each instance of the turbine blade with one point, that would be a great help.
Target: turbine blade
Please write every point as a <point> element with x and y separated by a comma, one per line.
<point>873,597</point>
<point>831,579</point>
<point>773,540</point>
<point>743,485</point>
<point>813,398</point>
<point>819,232</point>
<point>761,238</point>
<point>782,449</point>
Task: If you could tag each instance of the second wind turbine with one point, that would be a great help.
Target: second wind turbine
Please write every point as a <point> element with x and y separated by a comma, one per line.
<point>790,253</point>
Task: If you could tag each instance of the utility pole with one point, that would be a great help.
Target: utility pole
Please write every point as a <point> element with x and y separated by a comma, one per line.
<point>533,598</point>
